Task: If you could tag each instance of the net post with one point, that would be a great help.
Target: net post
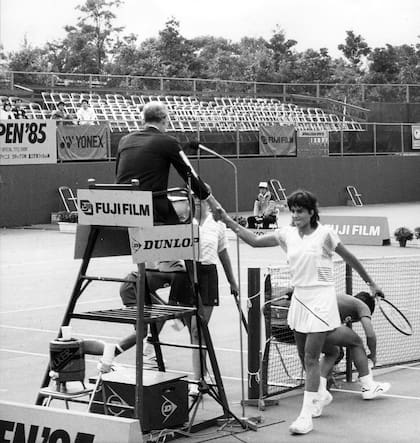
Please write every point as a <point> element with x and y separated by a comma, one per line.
<point>349,290</point>
<point>254,332</point>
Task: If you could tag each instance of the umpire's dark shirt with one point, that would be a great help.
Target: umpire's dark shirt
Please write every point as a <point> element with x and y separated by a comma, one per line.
<point>147,156</point>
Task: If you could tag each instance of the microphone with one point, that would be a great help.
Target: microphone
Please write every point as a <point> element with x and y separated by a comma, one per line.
<point>197,146</point>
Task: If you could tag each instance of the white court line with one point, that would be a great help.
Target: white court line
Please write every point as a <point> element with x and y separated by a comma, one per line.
<point>408,367</point>
<point>404,397</point>
<point>35,354</point>
<point>40,308</point>
<point>50,331</point>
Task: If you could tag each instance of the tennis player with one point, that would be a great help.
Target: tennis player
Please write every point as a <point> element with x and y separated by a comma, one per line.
<point>313,310</point>
<point>352,309</point>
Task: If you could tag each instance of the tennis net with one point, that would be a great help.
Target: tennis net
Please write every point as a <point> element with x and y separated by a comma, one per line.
<point>399,278</point>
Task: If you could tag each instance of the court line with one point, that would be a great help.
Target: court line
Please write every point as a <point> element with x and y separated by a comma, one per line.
<point>404,397</point>
<point>408,367</point>
<point>50,331</point>
<point>173,371</point>
<point>40,308</point>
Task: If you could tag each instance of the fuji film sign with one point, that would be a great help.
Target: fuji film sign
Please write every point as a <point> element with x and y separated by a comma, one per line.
<point>115,207</point>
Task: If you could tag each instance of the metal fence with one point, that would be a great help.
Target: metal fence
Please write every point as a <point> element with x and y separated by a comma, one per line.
<point>355,93</point>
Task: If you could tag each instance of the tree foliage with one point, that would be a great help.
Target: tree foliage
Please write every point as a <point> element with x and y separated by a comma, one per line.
<point>95,45</point>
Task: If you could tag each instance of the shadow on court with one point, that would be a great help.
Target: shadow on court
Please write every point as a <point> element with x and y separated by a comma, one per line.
<point>37,274</point>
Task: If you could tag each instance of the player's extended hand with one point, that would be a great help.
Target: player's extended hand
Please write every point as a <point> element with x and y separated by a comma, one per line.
<point>220,214</point>
<point>376,291</point>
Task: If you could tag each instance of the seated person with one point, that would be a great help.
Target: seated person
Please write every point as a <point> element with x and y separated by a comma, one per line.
<point>85,115</point>
<point>60,113</point>
<point>17,110</point>
<point>6,113</point>
<point>265,210</point>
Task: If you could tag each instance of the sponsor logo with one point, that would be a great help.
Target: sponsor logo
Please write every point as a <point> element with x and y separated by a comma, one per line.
<point>362,230</point>
<point>98,208</point>
<point>86,206</point>
<point>416,133</point>
<point>11,431</point>
<point>116,405</point>
<point>168,408</point>
<point>272,139</point>
<point>169,243</point>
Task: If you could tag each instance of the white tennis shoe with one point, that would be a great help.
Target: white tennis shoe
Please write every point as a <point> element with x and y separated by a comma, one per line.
<point>325,399</point>
<point>377,389</point>
<point>302,425</point>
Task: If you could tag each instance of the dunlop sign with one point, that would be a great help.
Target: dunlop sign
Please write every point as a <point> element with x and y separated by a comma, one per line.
<point>166,242</point>
<point>115,207</point>
<point>356,230</point>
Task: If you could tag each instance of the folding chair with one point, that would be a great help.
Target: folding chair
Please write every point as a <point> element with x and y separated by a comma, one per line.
<point>279,193</point>
<point>355,196</point>
<point>68,198</point>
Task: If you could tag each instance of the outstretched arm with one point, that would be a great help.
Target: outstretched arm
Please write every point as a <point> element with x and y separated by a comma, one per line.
<point>350,259</point>
<point>256,241</point>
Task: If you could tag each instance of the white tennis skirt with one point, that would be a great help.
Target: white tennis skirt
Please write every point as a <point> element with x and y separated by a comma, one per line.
<point>313,309</point>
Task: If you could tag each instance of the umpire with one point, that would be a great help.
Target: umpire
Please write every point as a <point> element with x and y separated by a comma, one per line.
<point>147,155</point>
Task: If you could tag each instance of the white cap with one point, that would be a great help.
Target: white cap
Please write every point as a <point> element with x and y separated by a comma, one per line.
<point>263,185</point>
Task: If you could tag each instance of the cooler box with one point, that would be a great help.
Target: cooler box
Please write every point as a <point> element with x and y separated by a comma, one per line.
<point>165,397</point>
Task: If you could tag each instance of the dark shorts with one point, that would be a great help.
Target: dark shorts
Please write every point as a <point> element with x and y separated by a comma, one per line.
<point>208,286</point>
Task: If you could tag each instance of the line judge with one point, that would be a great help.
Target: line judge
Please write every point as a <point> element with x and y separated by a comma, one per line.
<point>147,155</point>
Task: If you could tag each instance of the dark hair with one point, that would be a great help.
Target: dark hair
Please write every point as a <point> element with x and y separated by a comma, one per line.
<point>6,104</point>
<point>84,101</point>
<point>61,103</point>
<point>307,200</point>
<point>367,299</point>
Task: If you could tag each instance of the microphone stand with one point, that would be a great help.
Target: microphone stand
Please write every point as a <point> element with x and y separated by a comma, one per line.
<point>251,423</point>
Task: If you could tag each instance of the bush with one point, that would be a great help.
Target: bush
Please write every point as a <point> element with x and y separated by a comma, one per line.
<point>240,220</point>
<point>403,233</point>
<point>65,216</point>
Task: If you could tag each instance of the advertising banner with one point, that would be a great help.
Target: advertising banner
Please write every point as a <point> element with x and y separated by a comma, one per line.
<point>358,230</point>
<point>166,242</point>
<point>115,207</point>
<point>415,136</point>
<point>26,423</point>
<point>86,142</point>
<point>277,140</point>
<point>24,142</point>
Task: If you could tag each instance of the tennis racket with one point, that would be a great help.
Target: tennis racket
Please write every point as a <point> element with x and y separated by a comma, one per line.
<point>394,316</point>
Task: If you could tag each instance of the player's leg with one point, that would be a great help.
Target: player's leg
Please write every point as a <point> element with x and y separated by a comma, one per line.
<point>312,349</point>
<point>345,336</point>
<point>327,361</point>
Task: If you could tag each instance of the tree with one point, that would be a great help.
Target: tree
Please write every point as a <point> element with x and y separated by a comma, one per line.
<point>355,48</point>
<point>175,52</point>
<point>282,48</point>
<point>313,66</point>
<point>97,24</point>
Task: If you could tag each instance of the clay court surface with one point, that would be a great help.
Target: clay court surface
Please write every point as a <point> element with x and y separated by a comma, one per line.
<point>37,274</point>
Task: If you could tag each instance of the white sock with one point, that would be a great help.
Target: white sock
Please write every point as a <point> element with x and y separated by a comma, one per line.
<point>367,380</point>
<point>322,385</point>
<point>309,399</point>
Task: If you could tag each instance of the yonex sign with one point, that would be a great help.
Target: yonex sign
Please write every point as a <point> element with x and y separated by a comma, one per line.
<point>115,207</point>
<point>166,242</point>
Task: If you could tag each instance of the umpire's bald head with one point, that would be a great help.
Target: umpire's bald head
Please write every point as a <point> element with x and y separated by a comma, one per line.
<point>155,113</point>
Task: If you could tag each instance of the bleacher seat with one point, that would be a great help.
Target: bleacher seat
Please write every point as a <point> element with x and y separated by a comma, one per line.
<point>221,113</point>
